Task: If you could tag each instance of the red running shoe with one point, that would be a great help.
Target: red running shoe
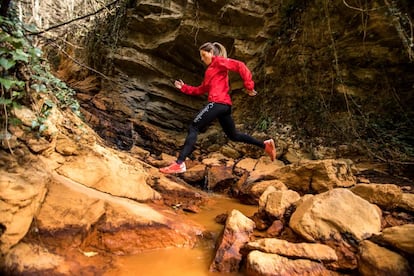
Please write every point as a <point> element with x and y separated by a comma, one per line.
<point>174,168</point>
<point>270,149</point>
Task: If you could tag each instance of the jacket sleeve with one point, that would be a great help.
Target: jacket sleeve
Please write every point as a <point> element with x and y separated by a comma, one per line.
<point>194,90</point>
<point>241,68</point>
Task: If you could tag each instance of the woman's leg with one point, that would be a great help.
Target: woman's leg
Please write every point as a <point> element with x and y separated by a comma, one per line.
<point>210,112</point>
<point>227,123</point>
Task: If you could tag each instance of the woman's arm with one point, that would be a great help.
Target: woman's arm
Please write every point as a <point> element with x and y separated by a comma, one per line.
<point>190,90</point>
<point>239,67</point>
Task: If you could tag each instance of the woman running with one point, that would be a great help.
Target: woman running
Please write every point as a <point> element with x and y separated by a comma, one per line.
<point>216,84</point>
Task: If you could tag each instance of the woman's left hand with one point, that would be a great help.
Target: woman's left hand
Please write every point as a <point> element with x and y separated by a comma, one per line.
<point>179,84</point>
<point>252,93</point>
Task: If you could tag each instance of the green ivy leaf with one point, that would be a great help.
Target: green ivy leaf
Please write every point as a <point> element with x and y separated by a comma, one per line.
<point>18,33</point>
<point>49,103</point>
<point>8,83</point>
<point>38,87</point>
<point>6,63</point>
<point>15,121</point>
<point>5,101</point>
<point>17,94</point>
<point>20,55</point>
<point>3,51</point>
<point>4,37</point>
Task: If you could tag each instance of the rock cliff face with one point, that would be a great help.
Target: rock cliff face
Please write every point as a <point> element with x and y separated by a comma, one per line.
<point>330,69</point>
<point>158,43</point>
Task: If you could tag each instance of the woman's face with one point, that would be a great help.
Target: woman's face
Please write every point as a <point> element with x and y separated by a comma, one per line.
<point>206,57</point>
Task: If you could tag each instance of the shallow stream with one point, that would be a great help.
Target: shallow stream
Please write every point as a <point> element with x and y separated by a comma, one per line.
<point>183,261</point>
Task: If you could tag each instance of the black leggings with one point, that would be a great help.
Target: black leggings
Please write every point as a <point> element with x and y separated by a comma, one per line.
<point>210,112</point>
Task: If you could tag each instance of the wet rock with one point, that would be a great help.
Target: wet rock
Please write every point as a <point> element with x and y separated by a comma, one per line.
<point>220,178</point>
<point>130,228</point>
<point>177,193</point>
<point>377,260</point>
<point>261,221</point>
<point>387,196</point>
<point>275,229</point>
<point>259,263</point>
<point>312,251</point>
<point>221,219</point>
<point>195,174</point>
<point>236,233</point>
<point>120,225</point>
<point>346,252</point>
<point>334,212</point>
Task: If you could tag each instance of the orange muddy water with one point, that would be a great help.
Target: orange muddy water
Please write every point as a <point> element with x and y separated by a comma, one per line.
<point>183,261</point>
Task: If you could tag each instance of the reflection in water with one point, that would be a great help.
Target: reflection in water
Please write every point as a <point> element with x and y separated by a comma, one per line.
<point>183,261</point>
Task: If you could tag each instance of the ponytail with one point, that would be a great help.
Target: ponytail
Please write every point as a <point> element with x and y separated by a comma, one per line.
<point>221,50</point>
<point>217,48</point>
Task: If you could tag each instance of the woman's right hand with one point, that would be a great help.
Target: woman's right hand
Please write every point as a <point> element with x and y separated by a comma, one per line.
<point>251,93</point>
<point>179,84</point>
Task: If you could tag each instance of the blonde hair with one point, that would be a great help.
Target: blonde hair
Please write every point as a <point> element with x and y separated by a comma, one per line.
<point>217,48</point>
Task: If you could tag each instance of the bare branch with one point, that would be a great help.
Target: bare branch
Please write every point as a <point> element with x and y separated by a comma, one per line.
<point>74,19</point>
<point>359,9</point>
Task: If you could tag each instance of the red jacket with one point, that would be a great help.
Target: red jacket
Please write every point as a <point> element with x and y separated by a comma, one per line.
<point>216,80</point>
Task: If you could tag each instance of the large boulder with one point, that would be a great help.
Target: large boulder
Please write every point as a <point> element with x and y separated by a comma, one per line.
<point>103,170</point>
<point>66,207</point>
<point>21,196</point>
<point>114,224</point>
<point>311,251</point>
<point>316,176</point>
<point>258,169</point>
<point>336,212</point>
<point>379,261</point>
<point>275,203</point>
<point>401,237</point>
<point>407,202</point>
<point>387,196</point>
